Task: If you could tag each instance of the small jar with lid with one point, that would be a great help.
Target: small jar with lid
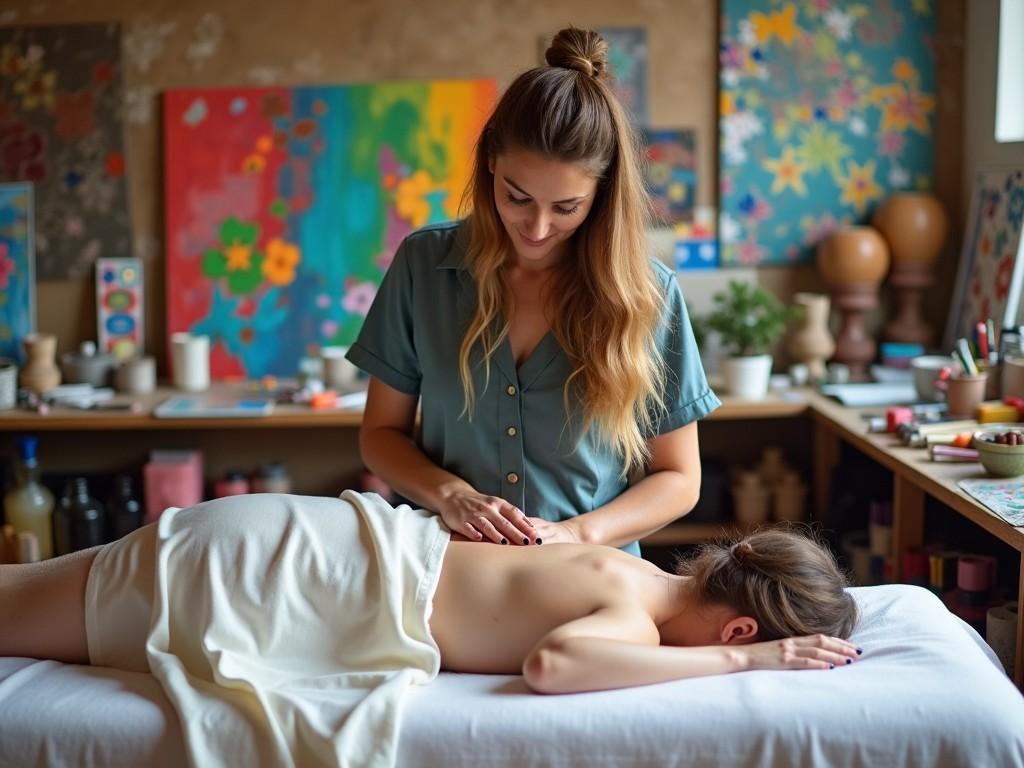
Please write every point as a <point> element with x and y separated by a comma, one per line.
<point>272,478</point>
<point>233,483</point>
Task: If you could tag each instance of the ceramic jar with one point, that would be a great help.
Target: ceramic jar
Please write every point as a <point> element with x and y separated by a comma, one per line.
<point>812,343</point>
<point>915,226</point>
<point>40,372</point>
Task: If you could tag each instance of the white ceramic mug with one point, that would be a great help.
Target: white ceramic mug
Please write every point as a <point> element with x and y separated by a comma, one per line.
<point>339,373</point>
<point>925,372</point>
<point>190,359</point>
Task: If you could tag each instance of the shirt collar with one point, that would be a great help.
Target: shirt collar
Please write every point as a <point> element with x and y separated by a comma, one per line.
<point>455,258</point>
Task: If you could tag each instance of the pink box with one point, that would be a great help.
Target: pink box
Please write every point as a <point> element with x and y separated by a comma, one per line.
<point>172,479</point>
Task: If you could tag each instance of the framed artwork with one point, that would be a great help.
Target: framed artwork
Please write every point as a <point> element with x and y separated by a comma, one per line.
<point>990,275</point>
<point>61,129</point>
<point>119,307</point>
<point>285,206</point>
<point>17,269</point>
<point>670,173</point>
<point>627,55</point>
<point>825,108</point>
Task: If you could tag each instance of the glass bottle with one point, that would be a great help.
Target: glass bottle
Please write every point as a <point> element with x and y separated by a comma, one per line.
<point>82,519</point>
<point>124,512</point>
<point>29,505</point>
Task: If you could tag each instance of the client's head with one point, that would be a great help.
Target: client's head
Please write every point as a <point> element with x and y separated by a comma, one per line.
<point>787,582</point>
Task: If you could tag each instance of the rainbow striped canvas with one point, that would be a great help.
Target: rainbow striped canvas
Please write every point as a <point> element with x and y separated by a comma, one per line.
<point>285,206</point>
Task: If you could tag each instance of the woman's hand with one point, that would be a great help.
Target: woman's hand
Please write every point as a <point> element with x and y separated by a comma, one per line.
<point>479,517</point>
<point>810,652</point>
<point>547,532</point>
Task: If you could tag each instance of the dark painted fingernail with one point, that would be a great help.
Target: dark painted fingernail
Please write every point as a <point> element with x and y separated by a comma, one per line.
<point>849,661</point>
<point>540,541</point>
<point>525,540</point>
<point>860,651</point>
<point>831,666</point>
<point>504,540</point>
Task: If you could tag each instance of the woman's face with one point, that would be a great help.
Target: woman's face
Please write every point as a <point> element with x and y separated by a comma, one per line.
<point>541,202</point>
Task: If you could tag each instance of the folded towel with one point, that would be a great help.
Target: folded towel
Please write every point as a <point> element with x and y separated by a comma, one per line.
<point>284,629</point>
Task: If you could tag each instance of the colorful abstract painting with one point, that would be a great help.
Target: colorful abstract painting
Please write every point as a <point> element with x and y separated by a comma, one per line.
<point>825,107</point>
<point>990,275</point>
<point>61,129</point>
<point>285,207</point>
<point>17,279</point>
<point>670,174</point>
<point>627,55</point>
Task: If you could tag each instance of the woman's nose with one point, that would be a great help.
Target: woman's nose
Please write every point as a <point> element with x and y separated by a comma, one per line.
<point>536,228</point>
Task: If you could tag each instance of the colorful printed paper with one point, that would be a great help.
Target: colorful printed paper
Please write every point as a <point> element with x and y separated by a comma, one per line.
<point>627,55</point>
<point>826,107</point>
<point>285,207</point>
<point>991,271</point>
<point>670,173</point>
<point>119,307</point>
<point>61,129</point>
<point>17,280</point>
<point>1004,497</point>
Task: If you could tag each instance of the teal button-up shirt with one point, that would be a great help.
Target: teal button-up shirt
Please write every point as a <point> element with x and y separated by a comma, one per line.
<point>516,443</point>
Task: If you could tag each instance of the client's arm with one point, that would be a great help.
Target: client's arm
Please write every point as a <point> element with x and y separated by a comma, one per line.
<point>618,647</point>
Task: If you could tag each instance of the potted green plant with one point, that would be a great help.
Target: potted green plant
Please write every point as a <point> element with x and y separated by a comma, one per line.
<point>749,321</point>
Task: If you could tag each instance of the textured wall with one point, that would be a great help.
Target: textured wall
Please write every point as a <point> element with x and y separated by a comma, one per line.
<point>222,42</point>
<point>218,42</point>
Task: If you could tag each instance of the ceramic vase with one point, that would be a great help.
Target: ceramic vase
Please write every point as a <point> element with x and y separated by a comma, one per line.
<point>853,260</point>
<point>812,343</point>
<point>914,225</point>
<point>790,498</point>
<point>747,377</point>
<point>40,372</point>
<point>750,500</point>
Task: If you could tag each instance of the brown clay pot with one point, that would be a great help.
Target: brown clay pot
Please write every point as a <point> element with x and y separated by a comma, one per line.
<point>40,372</point>
<point>853,255</point>
<point>915,226</point>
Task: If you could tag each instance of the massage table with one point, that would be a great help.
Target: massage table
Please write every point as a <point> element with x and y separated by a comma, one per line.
<point>927,692</point>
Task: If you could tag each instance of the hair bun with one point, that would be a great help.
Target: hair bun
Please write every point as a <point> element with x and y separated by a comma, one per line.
<point>581,49</point>
<point>741,550</point>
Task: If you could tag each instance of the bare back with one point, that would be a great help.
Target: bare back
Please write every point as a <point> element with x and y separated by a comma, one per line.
<point>494,603</point>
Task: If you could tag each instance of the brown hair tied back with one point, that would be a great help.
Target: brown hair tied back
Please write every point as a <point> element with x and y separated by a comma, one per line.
<point>741,551</point>
<point>580,49</point>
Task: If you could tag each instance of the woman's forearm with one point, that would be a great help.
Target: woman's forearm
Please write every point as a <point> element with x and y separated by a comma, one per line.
<point>396,458</point>
<point>645,507</point>
<point>580,664</point>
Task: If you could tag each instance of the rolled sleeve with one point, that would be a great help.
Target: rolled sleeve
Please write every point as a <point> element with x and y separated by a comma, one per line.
<point>686,396</point>
<point>386,345</point>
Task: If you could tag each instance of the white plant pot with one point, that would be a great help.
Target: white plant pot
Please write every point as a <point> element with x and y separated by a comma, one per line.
<point>747,377</point>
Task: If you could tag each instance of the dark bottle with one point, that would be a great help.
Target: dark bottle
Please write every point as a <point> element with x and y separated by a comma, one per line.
<point>124,512</point>
<point>81,520</point>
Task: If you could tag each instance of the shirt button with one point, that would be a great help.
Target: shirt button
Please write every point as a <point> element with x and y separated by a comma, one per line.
<point>512,477</point>
<point>511,390</point>
<point>511,431</point>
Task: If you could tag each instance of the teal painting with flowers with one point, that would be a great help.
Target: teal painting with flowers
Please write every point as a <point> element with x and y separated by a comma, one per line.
<point>17,268</point>
<point>825,107</point>
<point>285,206</point>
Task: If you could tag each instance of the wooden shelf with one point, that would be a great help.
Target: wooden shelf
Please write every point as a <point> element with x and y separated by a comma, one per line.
<point>284,416</point>
<point>678,534</point>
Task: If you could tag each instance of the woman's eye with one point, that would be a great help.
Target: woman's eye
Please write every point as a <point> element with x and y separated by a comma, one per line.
<point>518,200</point>
<point>567,211</point>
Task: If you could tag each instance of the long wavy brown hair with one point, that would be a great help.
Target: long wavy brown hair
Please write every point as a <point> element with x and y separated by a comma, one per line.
<point>605,298</point>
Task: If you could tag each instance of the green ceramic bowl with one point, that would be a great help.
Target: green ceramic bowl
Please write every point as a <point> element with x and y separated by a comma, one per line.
<point>999,460</point>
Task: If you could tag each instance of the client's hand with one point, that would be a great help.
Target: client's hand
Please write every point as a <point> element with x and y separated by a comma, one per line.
<point>811,652</point>
<point>479,517</point>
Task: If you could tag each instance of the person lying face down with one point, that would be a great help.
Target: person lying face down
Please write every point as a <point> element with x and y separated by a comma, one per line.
<point>568,617</point>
